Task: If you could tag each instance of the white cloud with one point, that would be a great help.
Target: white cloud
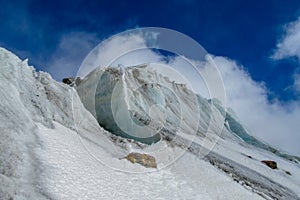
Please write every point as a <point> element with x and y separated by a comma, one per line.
<point>289,45</point>
<point>297,82</point>
<point>275,123</point>
<point>126,49</point>
<point>203,77</point>
<point>72,49</point>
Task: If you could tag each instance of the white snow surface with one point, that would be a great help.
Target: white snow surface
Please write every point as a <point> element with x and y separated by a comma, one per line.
<point>51,147</point>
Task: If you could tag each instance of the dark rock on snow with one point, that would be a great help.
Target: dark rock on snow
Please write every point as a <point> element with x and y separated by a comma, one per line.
<point>142,159</point>
<point>270,163</point>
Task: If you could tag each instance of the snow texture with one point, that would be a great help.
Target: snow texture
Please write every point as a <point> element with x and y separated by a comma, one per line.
<point>51,147</point>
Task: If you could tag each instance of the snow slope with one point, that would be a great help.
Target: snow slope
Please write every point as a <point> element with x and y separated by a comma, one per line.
<point>51,147</point>
<point>119,97</point>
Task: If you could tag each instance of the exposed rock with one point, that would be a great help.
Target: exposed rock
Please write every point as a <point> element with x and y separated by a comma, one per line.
<point>270,163</point>
<point>142,159</point>
<point>78,80</point>
<point>68,81</point>
<point>288,173</point>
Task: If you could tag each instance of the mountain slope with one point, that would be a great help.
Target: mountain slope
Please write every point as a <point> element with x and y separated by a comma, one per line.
<point>30,100</point>
<point>51,147</point>
<point>184,119</point>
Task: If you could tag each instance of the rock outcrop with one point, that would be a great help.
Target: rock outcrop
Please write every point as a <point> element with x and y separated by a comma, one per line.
<point>142,159</point>
<point>270,163</point>
<point>68,81</point>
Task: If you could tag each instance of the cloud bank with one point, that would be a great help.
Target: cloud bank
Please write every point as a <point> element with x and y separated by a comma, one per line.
<point>274,123</point>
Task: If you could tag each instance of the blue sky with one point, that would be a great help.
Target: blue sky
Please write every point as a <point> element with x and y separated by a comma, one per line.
<point>259,37</point>
<point>246,31</point>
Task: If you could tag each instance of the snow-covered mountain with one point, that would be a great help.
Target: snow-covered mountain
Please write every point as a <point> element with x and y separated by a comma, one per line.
<point>52,146</point>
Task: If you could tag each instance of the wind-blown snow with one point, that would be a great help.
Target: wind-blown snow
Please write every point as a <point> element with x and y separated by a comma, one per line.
<point>51,147</point>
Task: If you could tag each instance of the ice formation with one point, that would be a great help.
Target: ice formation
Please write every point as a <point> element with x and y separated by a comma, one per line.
<point>52,147</point>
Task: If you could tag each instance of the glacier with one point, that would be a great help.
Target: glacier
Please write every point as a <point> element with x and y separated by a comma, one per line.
<point>52,146</point>
<point>126,99</point>
<point>122,100</point>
